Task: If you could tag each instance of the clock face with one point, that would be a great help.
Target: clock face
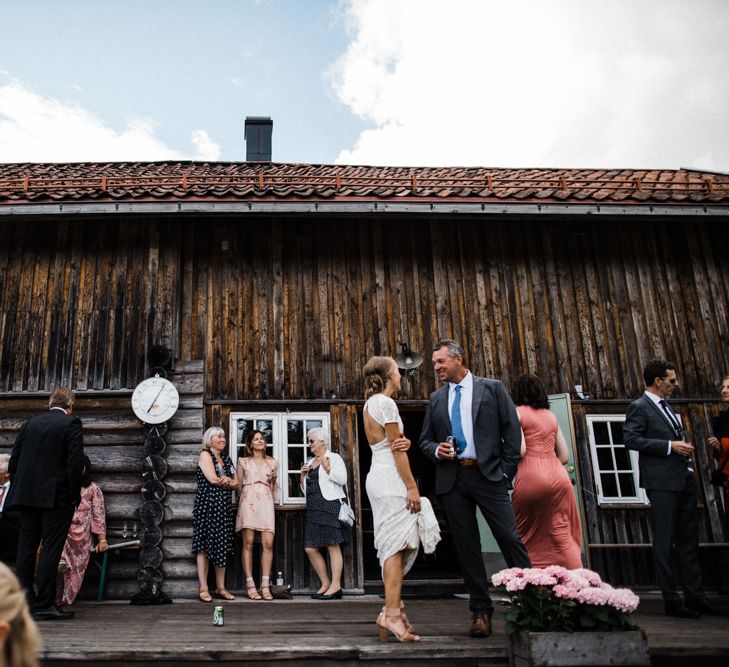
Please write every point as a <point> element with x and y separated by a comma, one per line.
<point>155,400</point>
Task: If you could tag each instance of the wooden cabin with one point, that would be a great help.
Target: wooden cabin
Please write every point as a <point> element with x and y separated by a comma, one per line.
<point>272,284</point>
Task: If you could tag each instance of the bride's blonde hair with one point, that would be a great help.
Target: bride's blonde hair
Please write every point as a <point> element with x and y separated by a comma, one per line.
<point>376,372</point>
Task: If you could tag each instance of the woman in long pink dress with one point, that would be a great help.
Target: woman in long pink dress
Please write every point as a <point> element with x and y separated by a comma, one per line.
<point>544,499</point>
<point>257,475</point>
<point>89,519</point>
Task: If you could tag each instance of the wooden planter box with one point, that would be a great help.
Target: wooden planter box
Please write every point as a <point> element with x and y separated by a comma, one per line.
<point>566,649</point>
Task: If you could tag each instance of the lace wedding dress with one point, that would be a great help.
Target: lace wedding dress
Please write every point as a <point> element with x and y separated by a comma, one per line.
<point>395,527</point>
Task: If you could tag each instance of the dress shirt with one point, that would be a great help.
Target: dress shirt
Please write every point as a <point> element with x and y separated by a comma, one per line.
<point>657,400</point>
<point>466,419</point>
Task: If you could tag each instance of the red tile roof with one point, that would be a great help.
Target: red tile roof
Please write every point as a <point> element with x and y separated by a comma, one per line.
<point>150,181</point>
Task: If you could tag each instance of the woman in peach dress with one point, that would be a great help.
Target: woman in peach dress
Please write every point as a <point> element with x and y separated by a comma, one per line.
<point>257,475</point>
<point>544,499</point>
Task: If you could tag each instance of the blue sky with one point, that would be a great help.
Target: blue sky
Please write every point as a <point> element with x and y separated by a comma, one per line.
<point>189,64</point>
<point>525,83</point>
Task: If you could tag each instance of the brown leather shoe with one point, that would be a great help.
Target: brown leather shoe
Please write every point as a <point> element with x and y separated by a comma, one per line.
<point>481,626</point>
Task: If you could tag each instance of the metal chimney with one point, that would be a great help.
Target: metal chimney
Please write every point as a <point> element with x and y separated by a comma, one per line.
<point>258,138</point>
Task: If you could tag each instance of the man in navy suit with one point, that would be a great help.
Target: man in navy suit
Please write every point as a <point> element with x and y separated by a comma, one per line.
<point>667,474</point>
<point>477,472</point>
<point>45,475</point>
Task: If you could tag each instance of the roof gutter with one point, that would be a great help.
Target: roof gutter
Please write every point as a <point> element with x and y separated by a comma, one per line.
<point>313,207</point>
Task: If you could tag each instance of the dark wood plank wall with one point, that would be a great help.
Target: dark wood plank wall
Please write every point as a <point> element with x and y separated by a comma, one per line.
<point>301,305</point>
<point>294,307</point>
<point>291,308</point>
<point>81,302</point>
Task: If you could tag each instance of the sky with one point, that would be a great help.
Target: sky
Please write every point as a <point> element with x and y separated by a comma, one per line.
<point>524,83</point>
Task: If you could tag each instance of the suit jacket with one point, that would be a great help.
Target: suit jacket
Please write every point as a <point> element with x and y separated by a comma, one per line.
<point>647,432</point>
<point>496,432</point>
<point>45,464</point>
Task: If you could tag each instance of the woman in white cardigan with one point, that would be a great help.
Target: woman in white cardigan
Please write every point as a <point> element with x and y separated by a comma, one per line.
<point>323,479</point>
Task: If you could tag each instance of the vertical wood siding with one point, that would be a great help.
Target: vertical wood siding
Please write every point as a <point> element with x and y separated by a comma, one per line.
<point>294,307</point>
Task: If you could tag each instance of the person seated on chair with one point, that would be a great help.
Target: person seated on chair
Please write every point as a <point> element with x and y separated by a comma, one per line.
<point>88,519</point>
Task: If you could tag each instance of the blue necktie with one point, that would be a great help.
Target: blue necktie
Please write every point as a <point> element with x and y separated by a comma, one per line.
<point>456,425</point>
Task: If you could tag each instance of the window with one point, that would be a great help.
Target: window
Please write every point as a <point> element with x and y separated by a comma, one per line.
<point>285,434</point>
<point>615,467</point>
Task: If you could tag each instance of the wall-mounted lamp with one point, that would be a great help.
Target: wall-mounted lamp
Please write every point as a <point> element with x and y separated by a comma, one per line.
<point>580,393</point>
<point>408,360</point>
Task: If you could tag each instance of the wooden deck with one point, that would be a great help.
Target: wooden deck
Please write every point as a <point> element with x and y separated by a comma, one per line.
<point>341,633</point>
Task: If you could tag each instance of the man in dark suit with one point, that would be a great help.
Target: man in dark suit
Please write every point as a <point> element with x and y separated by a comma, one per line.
<point>45,474</point>
<point>666,473</point>
<point>477,471</point>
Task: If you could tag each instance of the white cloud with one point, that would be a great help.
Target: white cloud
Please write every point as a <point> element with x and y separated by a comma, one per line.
<point>538,84</point>
<point>207,149</point>
<point>39,129</point>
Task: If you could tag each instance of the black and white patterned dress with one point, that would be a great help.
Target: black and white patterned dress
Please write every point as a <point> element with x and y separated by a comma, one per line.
<point>322,528</point>
<point>212,521</point>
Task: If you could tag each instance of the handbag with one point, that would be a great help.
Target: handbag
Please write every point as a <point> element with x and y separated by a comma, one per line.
<point>346,513</point>
<point>281,591</point>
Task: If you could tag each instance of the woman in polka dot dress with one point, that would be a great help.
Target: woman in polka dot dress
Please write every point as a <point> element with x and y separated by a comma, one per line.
<point>212,522</point>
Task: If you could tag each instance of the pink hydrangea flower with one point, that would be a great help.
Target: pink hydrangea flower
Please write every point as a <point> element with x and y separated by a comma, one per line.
<point>592,577</point>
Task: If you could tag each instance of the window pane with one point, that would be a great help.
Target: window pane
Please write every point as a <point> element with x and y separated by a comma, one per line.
<point>600,431</point>
<point>604,458</point>
<point>269,450</point>
<point>265,426</point>
<point>296,458</point>
<point>241,451</point>
<point>609,485</point>
<point>617,430</point>
<point>244,425</point>
<point>622,459</point>
<point>295,430</point>
<point>627,484</point>
<point>294,489</point>
<point>313,423</point>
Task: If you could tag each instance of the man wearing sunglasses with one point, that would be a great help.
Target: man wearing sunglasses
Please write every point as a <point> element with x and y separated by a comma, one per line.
<point>667,474</point>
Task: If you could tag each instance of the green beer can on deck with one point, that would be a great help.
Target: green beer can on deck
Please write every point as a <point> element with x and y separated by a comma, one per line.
<point>218,618</point>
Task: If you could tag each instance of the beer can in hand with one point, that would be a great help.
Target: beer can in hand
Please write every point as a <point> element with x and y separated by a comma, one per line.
<point>218,618</point>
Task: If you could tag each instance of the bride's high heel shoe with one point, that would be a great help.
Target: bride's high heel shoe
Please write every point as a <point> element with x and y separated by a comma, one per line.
<point>406,621</point>
<point>389,620</point>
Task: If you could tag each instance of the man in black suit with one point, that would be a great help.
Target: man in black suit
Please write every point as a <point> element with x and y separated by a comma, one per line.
<point>667,474</point>
<point>45,474</point>
<point>477,471</point>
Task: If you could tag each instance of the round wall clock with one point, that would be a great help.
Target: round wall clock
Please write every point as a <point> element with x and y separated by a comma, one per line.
<point>155,400</point>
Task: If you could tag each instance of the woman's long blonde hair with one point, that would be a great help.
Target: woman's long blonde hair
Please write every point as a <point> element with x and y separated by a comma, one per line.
<point>376,372</point>
<point>19,649</point>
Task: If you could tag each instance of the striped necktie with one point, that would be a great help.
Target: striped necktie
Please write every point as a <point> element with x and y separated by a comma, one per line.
<point>672,419</point>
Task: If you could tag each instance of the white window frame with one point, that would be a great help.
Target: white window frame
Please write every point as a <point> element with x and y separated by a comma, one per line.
<point>279,431</point>
<point>640,497</point>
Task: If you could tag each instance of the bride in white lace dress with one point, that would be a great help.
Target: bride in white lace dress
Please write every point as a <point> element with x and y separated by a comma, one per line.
<point>402,519</point>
